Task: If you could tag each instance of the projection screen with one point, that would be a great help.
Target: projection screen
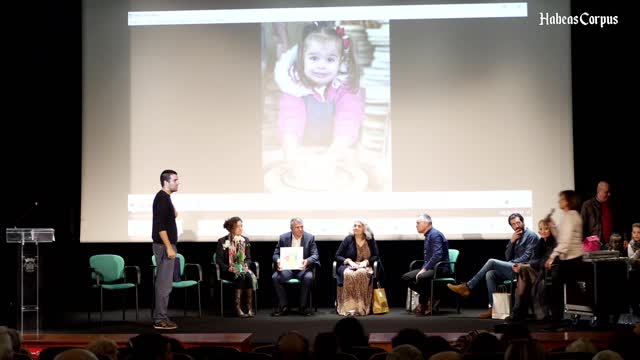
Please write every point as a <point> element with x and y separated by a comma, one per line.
<point>331,113</point>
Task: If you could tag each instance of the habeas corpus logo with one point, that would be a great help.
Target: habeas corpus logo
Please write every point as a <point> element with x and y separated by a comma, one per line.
<point>583,19</point>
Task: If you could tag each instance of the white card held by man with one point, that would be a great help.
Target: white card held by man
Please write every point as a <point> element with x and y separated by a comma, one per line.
<point>291,258</point>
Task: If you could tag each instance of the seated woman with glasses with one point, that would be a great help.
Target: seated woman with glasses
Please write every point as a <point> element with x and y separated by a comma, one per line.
<point>355,257</point>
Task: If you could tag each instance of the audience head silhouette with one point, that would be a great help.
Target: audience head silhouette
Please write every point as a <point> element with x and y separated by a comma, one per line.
<point>434,345</point>
<point>150,347</point>
<point>485,343</point>
<point>447,355</point>
<point>76,354</point>
<point>104,347</point>
<point>6,347</point>
<point>410,336</point>
<point>325,346</point>
<point>582,345</point>
<point>405,352</point>
<point>291,346</point>
<point>524,349</point>
<point>350,333</point>
<point>514,331</point>
<point>607,355</point>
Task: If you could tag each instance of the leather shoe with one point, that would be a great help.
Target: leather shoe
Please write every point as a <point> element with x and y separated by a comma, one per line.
<point>460,289</point>
<point>305,312</point>
<point>487,315</point>
<point>514,318</point>
<point>283,311</point>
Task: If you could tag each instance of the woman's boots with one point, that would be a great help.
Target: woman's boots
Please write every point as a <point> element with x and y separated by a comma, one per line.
<point>238,302</point>
<point>249,295</point>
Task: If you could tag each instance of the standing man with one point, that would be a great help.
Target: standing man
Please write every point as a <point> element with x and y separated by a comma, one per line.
<point>436,249</point>
<point>165,237</point>
<point>297,237</point>
<point>597,217</point>
<point>520,249</point>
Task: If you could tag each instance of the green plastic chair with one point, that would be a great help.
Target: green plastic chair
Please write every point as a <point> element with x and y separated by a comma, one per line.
<point>109,272</point>
<point>222,282</point>
<point>296,282</point>
<point>453,259</point>
<point>184,283</point>
<point>511,282</point>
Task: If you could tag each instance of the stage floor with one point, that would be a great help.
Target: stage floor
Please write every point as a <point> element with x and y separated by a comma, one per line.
<point>266,328</point>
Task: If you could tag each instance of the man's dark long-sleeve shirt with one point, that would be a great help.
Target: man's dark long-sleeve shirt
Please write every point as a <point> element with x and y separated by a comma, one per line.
<point>436,249</point>
<point>164,218</point>
<point>522,250</point>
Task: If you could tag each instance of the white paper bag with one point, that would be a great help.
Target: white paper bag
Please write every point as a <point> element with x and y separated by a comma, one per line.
<point>413,298</point>
<point>501,305</point>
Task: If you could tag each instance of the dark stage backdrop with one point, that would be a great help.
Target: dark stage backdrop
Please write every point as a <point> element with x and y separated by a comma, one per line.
<point>42,138</point>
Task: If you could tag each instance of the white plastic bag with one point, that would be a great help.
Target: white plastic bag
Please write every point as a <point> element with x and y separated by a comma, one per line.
<point>501,305</point>
<point>413,299</point>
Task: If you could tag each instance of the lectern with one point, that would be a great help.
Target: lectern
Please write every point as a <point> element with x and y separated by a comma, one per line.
<point>28,241</point>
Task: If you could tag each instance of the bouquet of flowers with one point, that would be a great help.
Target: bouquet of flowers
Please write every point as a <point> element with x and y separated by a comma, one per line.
<point>239,256</point>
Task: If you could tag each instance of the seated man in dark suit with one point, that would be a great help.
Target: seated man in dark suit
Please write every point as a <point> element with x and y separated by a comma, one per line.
<point>296,237</point>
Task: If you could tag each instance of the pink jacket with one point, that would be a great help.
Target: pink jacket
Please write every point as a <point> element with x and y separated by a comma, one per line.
<point>349,113</point>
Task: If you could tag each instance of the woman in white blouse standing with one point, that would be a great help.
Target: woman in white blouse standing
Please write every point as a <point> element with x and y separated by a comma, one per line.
<point>568,252</point>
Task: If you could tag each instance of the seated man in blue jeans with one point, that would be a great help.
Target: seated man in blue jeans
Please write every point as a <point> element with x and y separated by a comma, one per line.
<point>519,250</point>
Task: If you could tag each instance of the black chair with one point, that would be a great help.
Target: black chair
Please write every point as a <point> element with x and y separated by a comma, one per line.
<point>211,352</point>
<point>451,279</point>
<point>296,282</point>
<point>334,272</point>
<point>256,270</point>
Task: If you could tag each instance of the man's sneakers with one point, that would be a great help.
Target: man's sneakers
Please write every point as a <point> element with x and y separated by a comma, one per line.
<point>165,324</point>
<point>461,289</point>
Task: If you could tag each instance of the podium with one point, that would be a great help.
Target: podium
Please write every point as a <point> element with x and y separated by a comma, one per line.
<point>28,241</point>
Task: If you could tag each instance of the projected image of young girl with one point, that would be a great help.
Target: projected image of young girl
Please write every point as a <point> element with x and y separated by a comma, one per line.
<point>321,103</point>
<point>321,110</point>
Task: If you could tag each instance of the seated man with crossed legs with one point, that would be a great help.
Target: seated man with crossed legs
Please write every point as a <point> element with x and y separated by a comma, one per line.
<point>519,250</point>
